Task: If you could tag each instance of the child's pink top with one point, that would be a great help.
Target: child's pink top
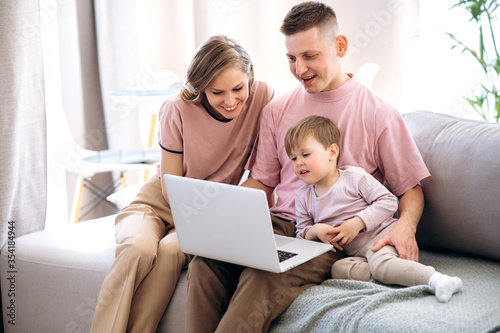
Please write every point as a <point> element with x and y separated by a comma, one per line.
<point>213,149</point>
<point>374,137</point>
<point>356,193</point>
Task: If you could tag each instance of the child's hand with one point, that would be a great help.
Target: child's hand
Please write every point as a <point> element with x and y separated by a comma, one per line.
<point>324,233</point>
<point>346,232</point>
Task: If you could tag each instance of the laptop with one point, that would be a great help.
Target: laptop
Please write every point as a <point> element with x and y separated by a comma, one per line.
<point>233,224</point>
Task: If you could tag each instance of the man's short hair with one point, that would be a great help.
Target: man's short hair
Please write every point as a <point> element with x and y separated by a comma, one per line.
<point>307,15</point>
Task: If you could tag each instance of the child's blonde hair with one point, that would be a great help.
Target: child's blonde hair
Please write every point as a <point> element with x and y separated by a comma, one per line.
<point>320,128</point>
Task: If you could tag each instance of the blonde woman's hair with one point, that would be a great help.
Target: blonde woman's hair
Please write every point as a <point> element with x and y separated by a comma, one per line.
<point>320,128</point>
<point>212,57</point>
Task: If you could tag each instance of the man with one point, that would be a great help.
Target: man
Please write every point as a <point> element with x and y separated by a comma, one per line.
<point>224,297</point>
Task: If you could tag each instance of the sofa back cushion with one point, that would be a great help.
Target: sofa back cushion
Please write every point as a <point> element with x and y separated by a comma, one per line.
<point>462,196</point>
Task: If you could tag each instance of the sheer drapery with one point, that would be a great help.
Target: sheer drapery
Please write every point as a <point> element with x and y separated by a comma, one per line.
<point>73,85</point>
<point>22,120</point>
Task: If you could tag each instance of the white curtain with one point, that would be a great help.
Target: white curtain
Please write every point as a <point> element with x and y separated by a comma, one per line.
<point>22,121</point>
<point>73,85</point>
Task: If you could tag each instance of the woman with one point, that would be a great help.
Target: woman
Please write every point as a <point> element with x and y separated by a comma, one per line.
<point>206,132</point>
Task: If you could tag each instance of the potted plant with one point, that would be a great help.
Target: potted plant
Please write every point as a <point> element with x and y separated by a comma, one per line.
<point>486,101</point>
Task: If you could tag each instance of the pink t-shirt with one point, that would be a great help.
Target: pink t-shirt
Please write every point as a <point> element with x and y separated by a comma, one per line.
<point>213,149</point>
<point>374,137</point>
<point>356,193</point>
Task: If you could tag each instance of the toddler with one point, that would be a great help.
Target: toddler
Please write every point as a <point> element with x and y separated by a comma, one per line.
<point>350,209</point>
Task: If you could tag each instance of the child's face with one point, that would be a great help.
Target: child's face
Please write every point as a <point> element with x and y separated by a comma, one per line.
<point>228,93</point>
<point>312,162</point>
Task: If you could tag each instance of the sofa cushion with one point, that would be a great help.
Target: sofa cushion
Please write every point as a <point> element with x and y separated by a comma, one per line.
<point>462,206</point>
<point>56,277</point>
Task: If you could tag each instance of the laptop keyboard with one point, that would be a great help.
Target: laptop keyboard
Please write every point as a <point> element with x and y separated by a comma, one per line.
<point>284,255</point>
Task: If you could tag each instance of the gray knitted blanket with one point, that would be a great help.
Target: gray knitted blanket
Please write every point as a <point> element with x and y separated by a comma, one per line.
<point>354,306</point>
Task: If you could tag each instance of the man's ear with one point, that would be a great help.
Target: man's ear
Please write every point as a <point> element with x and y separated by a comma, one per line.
<point>341,45</point>
<point>334,151</point>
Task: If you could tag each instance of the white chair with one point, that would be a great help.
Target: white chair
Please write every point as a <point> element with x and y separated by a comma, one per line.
<point>65,154</point>
<point>86,163</point>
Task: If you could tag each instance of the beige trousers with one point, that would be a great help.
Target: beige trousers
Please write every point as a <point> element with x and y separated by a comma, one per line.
<point>143,277</point>
<point>384,266</point>
<point>224,297</point>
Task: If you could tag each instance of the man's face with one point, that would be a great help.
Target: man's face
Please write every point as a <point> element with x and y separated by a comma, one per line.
<point>314,59</point>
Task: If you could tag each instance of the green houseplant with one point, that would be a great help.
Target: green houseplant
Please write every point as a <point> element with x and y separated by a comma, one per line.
<point>486,101</point>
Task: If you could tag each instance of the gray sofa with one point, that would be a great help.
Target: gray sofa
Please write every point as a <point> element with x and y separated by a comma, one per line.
<point>59,273</point>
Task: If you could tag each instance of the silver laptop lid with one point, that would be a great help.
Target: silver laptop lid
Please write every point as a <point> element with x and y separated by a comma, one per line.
<point>224,222</point>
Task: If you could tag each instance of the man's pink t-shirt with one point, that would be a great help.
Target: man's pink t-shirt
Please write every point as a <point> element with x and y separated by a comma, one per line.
<point>373,136</point>
<point>213,149</point>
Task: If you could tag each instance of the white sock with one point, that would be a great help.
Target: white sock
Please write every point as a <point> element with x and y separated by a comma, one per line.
<point>444,286</point>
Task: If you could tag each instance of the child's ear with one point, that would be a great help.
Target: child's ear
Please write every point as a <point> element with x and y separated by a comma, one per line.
<point>334,151</point>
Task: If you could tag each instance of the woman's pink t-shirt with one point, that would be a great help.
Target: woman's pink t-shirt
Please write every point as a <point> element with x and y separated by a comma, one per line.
<point>213,149</point>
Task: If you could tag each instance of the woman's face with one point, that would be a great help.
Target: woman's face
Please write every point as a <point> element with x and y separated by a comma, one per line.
<point>228,93</point>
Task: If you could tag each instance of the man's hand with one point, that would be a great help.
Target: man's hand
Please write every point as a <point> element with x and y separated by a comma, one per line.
<point>402,237</point>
